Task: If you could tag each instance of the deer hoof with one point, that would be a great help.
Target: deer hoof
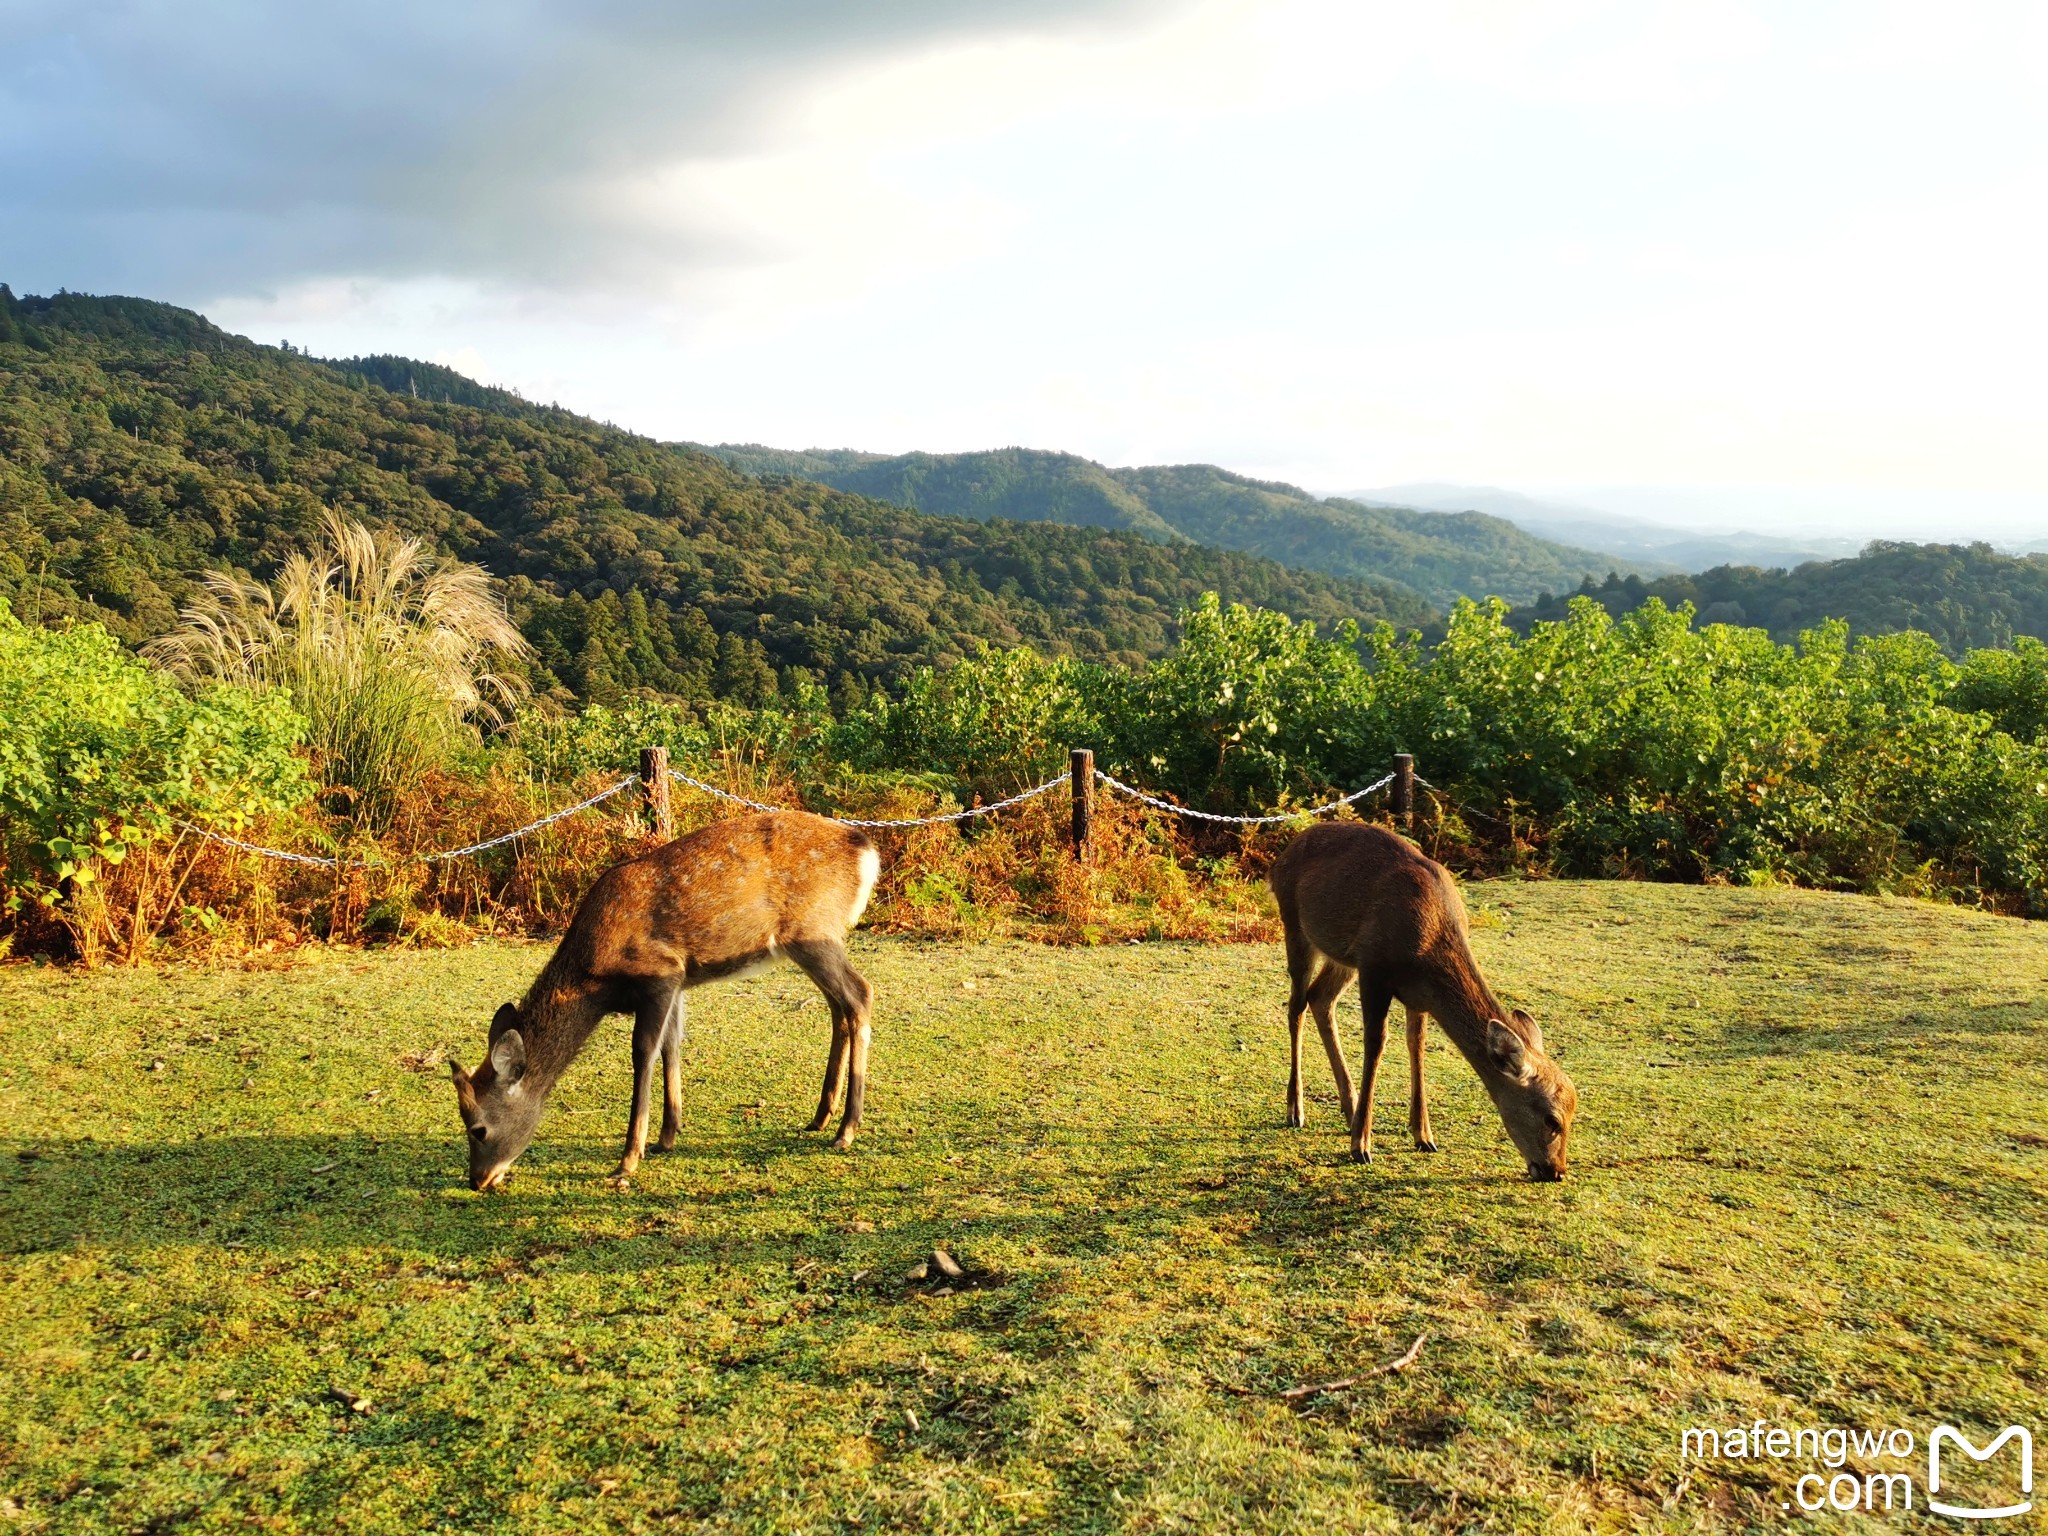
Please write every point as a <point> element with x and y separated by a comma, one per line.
<point>843,1140</point>
<point>1296,1120</point>
<point>1361,1154</point>
<point>1423,1144</point>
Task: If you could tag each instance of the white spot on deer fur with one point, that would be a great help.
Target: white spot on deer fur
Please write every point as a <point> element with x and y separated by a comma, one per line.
<point>870,871</point>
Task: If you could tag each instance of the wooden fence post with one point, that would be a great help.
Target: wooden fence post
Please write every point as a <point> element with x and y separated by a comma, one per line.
<point>654,791</point>
<point>1402,801</point>
<point>1081,773</point>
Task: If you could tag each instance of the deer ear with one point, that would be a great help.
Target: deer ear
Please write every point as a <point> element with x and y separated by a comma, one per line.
<point>1505,1051</point>
<point>507,1017</point>
<point>1531,1030</point>
<point>508,1057</point>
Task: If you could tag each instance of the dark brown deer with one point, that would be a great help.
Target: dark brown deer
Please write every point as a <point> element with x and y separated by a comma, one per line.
<point>1366,905</point>
<point>726,900</point>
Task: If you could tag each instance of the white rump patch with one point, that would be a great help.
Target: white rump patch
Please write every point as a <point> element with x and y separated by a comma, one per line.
<point>870,871</point>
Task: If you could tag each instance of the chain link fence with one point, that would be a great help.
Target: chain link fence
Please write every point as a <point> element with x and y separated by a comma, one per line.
<point>468,850</point>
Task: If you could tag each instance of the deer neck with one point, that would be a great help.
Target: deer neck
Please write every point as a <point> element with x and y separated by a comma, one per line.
<point>556,1019</point>
<point>1448,985</point>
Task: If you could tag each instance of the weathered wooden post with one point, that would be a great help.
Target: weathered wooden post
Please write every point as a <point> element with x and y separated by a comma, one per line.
<point>654,792</point>
<point>1081,773</point>
<point>1402,800</point>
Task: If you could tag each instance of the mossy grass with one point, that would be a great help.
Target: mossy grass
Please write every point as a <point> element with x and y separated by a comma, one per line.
<point>243,1286</point>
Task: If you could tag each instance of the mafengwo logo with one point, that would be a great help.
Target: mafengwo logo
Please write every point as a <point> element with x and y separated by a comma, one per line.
<point>1844,1469</point>
<point>1944,1434</point>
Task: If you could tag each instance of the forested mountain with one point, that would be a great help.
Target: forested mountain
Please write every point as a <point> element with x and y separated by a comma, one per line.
<point>140,444</point>
<point>1964,595</point>
<point>1442,555</point>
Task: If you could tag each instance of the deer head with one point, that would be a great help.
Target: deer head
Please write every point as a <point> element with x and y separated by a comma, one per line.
<point>500,1110</point>
<point>1535,1099</point>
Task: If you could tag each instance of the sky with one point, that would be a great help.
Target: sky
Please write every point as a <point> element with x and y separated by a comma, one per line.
<point>1773,266</point>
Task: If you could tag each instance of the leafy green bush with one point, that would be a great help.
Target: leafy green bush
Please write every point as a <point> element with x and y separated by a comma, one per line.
<point>1634,746</point>
<point>1646,746</point>
<point>607,738</point>
<point>2009,686</point>
<point>1247,709</point>
<point>996,722</point>
<point>98,753</point>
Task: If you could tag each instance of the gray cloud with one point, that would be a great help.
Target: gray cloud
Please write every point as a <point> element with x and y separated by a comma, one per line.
<point>240,146</point>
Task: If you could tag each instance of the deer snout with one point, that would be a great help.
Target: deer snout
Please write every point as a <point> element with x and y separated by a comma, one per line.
<point>1547,1173</point>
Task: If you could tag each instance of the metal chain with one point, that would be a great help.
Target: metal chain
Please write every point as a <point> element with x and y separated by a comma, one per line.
<point>856,821</point>
<point>280,854</point>
<point>1241,821</point>
<point>425,858</point>
<point>285,856</point>
<point>546,821</point>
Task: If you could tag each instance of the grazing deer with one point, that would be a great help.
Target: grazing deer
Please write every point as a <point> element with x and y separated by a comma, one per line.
<point>720,902</point>
<point>1366,904</point>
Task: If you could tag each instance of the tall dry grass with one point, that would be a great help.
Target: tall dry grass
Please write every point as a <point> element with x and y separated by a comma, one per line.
<point>393,654</point>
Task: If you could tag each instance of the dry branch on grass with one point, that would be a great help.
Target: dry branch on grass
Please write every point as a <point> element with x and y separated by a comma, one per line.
<point>1399,1363</point>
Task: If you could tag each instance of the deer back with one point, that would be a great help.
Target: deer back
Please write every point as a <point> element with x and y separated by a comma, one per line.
<point>1367,898</point>
<point>730,895</point>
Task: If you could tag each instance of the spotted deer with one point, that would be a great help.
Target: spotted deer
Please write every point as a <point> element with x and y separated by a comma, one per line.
<point>723,901</point>
<point>1360,902</point>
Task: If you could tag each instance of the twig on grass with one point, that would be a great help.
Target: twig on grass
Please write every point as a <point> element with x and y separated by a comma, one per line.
<point>1296,1394</point>
<point>1401,1363</point>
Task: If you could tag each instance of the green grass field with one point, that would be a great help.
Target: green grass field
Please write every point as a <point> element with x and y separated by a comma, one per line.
<point>243,1285</point>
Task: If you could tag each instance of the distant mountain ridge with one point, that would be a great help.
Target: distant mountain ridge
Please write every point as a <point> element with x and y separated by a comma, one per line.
<point>1656,548</point>
<point>1441,555</point>
<point>1965,596</point>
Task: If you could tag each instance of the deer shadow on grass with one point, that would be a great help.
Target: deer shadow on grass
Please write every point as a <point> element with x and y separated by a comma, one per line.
<point>755,1201</point>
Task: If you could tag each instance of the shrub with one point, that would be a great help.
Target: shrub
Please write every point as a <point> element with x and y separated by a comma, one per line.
<point>100,755</point>
<point>2009,686</point>
<point>996,723</point>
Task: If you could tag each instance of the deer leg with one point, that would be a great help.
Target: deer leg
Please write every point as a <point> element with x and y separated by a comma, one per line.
<point>650,1024</point>
<point>1377,998</point>
<point>825,962</point>
<point>1300,961</point>
<point>1322,997</point>
<point>860,1034</point>
<point>1418,1093</point>
<point>835,1069</point>
<point>671,1076</point>
<point>1297,1116</point>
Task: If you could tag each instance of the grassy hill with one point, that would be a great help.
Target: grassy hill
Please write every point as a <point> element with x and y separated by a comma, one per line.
<point>1444,556</point>
<point>1964,595</point>
<point>248,1288</point>
<point>140,444</point>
